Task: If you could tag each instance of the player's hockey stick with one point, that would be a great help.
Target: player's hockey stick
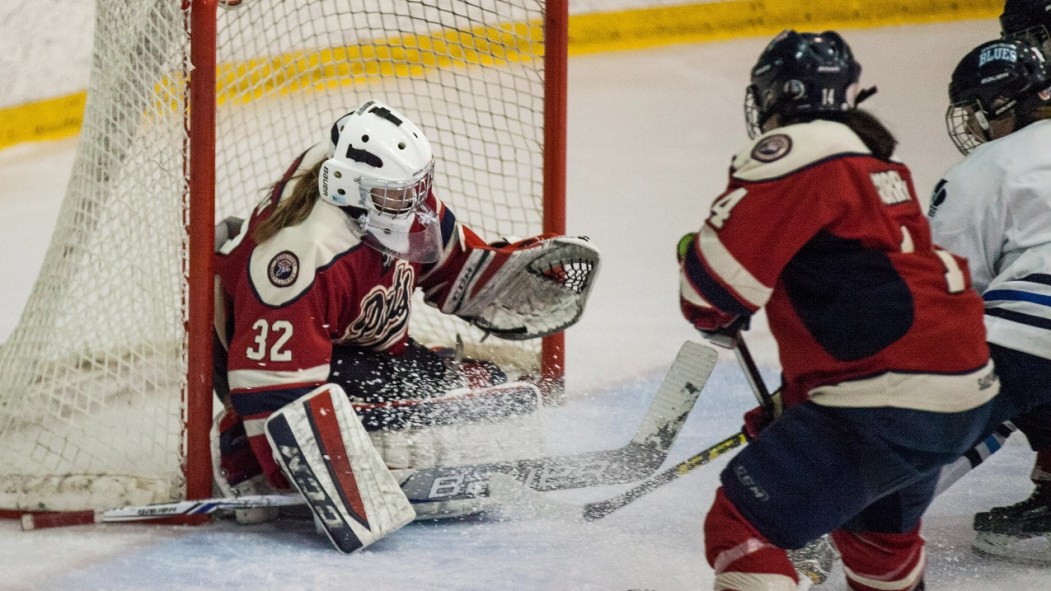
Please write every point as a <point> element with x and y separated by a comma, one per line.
<point>974,457</point>
<point>599,509</point>
<point>641,456</point>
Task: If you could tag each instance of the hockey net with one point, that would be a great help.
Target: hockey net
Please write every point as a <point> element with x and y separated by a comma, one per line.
<point>100,405</point>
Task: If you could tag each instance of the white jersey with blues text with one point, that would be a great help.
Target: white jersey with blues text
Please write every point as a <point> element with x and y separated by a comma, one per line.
<point>994,208</point>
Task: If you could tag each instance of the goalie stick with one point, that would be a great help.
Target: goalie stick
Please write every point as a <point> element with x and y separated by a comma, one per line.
<point>637,459</point>
<point>31,521</point>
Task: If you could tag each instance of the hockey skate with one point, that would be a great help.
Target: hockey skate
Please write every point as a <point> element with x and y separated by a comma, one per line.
<point>814,562</point>
<point>1017,533</point>
<point>235,471</point>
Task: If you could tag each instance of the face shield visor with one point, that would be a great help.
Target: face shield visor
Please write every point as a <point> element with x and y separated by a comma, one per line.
<point>398,219</point>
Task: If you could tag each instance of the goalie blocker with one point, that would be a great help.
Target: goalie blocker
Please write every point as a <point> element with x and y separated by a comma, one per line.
<point>321,446</point>
<point>525,289</point>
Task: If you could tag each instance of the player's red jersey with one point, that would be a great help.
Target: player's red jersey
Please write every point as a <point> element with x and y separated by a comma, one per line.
<point>287,300</point>
<point>832,241</point>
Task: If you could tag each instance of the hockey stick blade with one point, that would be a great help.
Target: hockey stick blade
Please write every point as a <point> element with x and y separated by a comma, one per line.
<point>31,521</point>
<point>599,509</point>
<point>643,455</point>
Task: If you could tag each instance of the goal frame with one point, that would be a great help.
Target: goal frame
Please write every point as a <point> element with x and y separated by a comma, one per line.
<point>201,170</point>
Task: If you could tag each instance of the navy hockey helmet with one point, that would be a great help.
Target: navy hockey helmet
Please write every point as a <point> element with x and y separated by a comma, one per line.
<point>1029,20</point>
<point>999,79</point>
<point>800,74</point>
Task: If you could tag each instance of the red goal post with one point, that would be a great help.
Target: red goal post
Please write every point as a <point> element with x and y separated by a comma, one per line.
<point>193,109</point>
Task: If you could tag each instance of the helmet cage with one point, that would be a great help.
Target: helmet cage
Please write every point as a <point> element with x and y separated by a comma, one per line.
<point>396,199</point>
<point>752,119</point>
<point>967,126</point>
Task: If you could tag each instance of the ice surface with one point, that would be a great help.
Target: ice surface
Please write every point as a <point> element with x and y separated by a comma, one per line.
<point>650,137</point>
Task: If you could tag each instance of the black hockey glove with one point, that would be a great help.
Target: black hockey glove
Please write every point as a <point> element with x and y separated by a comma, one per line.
<point>760,417</point>
<point>727,336</point>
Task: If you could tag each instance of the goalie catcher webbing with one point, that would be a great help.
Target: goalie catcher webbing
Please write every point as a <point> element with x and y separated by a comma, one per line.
<point>529,289</point>
<point>320,444</point>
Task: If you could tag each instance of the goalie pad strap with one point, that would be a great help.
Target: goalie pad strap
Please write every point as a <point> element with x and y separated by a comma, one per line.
<point>321,446</point>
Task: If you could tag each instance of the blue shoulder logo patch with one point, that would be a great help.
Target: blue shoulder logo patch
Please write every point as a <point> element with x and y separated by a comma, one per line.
<point>937,198</point>
<point>283,269</point>
<point>772,148</point>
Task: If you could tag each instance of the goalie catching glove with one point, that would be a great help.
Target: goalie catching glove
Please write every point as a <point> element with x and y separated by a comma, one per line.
<point>525,289</point>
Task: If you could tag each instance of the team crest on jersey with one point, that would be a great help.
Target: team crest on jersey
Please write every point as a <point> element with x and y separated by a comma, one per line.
<point>384,309</point>
<point>772,148</point>
<point>283,269</point>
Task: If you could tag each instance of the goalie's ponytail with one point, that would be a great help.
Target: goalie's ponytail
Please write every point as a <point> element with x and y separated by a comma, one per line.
<point>293,209</point>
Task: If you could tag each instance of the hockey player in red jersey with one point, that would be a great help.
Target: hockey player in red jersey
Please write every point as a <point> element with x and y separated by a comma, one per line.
<point>994,208</point>
<point>316,288</point>
<point>886,372</point>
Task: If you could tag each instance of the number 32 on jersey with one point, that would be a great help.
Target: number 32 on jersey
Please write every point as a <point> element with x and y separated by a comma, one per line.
<point>270,339</point>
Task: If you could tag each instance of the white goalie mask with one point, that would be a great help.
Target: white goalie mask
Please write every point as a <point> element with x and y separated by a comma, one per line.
<point>380,170</point>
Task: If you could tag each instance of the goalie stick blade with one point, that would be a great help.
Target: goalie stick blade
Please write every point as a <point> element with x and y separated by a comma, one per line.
<point>644,454</point>
<point>519,501</point>
<point>524,501</point>
<point>31,521</point>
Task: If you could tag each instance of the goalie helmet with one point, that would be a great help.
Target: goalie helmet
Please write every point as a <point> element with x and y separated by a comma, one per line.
<point>1029,20</point>
<point>379,171</point>
<point>994,90</point>
<point>801,74</point>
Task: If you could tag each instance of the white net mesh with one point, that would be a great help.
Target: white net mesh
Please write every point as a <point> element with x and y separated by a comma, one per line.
<point>92,379</point>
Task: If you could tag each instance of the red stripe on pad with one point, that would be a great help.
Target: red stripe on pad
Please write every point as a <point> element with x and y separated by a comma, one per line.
<point>333,451</point>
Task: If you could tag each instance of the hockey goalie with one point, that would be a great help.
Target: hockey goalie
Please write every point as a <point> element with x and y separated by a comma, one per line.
<point>313,302</point>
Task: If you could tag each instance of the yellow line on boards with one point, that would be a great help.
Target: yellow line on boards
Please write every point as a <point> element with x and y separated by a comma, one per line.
<point>588,33</point>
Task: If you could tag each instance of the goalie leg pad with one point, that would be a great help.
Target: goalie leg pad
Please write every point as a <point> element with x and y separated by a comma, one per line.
<point>467,426</point>
<point>321,446</point>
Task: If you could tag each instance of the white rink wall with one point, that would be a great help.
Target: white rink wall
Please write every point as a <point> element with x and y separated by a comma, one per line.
<point>45,48</point>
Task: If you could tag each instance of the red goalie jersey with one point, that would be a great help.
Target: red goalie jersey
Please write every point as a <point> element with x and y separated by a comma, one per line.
<point>322,284</point>
<point>833,242</point>
<point>286,301</point>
